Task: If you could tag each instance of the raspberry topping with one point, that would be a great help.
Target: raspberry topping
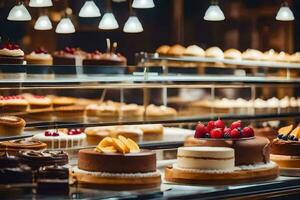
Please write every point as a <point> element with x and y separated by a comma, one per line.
<point>70,50</point>
<point>41,50</point>
<point>11,97</point>
<point>11,46</point>
<point>217,130</point>
<point>51,133</point>
<point>74,131</point>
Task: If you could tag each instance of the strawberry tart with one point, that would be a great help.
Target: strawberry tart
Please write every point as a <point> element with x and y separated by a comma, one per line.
<point>15,103</point>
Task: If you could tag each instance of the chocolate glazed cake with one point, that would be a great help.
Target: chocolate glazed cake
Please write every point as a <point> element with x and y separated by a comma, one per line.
<point>259,147</point>
<point>141,162</point>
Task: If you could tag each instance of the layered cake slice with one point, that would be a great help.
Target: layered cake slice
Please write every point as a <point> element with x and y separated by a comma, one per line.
<point>117,163</point>
<point>11,54</point>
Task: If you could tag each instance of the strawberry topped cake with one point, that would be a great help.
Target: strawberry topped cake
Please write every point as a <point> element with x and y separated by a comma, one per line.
<point>39,57</point>
<point>237,136</point>
<point>220,154</point>
<point>69,56</point>
<point>15,103</point>
<point>11,54</point>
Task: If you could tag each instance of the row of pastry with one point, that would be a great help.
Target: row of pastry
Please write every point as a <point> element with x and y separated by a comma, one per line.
<point>234,54</point>
<point>257,103</point>
<point>69,108</point>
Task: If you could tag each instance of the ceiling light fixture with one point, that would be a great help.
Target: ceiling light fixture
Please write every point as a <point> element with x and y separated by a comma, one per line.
<point>108,21</point>
<point>89,9</point>
<point>285,13</point>
<point>133,24</point>
<point>43,23</point>
<point>19,13</point>
<point>214,12</point>
<point>40,3</point>
<point>143,4</point>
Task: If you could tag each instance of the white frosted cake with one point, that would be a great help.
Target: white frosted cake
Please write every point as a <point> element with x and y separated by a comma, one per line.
<point>205,158</point>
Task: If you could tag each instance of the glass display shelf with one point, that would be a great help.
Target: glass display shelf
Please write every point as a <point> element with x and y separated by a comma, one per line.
<point>283,187</point>
<point>232,62</point>
<point>155,78</point>
<point>177,120</point>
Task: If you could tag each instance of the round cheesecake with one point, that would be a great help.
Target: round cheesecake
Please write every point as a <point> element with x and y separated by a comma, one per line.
<point>282,147</point>
<point>247,151</point>
<point>141,162</point>
<point>218,158</point>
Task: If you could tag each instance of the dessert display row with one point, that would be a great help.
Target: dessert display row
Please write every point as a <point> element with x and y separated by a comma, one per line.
<point>12,54</point>
<point>70,109</point>
<point>234,54</point>
<point>216,154</point>
<point>224,105</point>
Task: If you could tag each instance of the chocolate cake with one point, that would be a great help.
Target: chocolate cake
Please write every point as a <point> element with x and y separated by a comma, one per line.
<point>37,159</point>
<point>11,171</point>
<point>141,162</point>
<point>68,56</point>
<point>11,54</point>
<point>13,147</point>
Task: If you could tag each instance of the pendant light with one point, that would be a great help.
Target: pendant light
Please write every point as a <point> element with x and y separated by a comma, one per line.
<point>65,25</point>
<point>40,3</point>
<point>285,13</point>
<point>43,23</point>
<point>214,12</point>
<point>19,13</point>
<point>143,4</point>
<point>108,21</point>
<point>89,9</point>
<point>133,24</point>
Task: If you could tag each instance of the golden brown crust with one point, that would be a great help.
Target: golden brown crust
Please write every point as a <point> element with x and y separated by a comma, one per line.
<point>12,121</point>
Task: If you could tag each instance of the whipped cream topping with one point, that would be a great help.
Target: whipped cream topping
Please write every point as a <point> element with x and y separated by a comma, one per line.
<point>9,118</point>
<point>13,53</point>
<point>40,56</point>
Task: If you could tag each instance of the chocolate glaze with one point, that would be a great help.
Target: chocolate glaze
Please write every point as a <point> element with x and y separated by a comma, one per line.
<point>143,162</point>
<point>282,147</point>
<point>37,159</point>
<point>53,172</point>
<point>11,60</point>
<point>247,152</point>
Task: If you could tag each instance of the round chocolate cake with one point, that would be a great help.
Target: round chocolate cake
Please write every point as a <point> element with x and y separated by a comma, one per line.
<point>140,162</point>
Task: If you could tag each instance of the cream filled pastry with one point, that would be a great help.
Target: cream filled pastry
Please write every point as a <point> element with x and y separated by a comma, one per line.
<point>11,54</point>
<point>40,57</point>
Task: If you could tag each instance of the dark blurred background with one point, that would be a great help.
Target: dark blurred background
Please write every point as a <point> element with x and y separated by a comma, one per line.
<point>248,24</point>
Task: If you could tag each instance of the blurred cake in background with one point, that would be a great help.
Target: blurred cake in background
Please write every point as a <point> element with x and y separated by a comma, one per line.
<point>69,56</point>
<point>233,54</point>
<point>39,57</point>
<point>194,50</point>
<point>214,52</point>
<point>11,54</point>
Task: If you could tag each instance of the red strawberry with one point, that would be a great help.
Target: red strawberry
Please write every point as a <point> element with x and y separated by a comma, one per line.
<point>248,132</point>
<point>234,133</point>
<point>210,125</point>
<point>236,124</point>
<point>200,131</point>
<point>216,133</point>
<point>219,124</point>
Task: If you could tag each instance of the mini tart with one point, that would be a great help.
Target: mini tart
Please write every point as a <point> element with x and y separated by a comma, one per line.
<point>38,102</point>
<point>11,125</point>
<point>288,148</point>
<point>158,112</point>
<point>69,112</point>
<point>163,50</point>
<point>176,50</point>
<point>233,54</point>
<point>194,50</point>
<point>131,112</point>
<point>252,54</point>
<point>10,104</point>
<point>62,101</point>
<point>214,52</point>
<point>14,146</point>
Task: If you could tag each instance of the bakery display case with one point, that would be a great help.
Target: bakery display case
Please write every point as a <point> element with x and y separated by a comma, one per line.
<point>156,111</point>
<point>143,99</point>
